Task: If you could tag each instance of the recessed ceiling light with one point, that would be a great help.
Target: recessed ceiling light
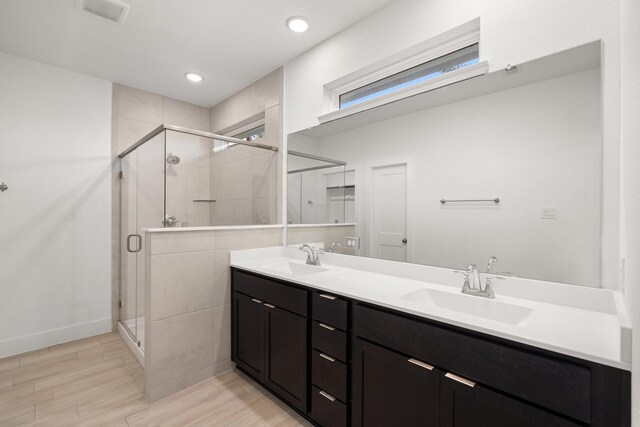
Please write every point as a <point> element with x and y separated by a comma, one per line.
<point>297,24</point>
<point>194,77</point>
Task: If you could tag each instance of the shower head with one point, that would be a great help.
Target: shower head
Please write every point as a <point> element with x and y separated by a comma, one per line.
<point>172,159</point>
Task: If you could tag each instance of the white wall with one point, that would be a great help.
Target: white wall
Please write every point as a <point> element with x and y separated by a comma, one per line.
<point>511,33</point>
<point>545,137</point>
<point>55,252</point>
<point>631,180</point>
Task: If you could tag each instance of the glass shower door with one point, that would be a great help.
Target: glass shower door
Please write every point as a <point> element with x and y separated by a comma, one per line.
<point>142,207</point>
<point>128,243</point>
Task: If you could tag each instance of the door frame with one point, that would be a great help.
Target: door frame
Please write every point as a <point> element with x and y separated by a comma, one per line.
<point>369,216</point>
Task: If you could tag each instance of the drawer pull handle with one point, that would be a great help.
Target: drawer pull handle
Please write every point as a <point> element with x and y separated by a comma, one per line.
<point>329,358</point>
<point>269,305</point>
<point>327,327</point>
<point>459,379</point>
<point>256,300</point>
<point>421,364</point>
<point>328,396</point>
<point>331,297</point>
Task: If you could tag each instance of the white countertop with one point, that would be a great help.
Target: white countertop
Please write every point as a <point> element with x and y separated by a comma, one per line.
<point>586,323</point>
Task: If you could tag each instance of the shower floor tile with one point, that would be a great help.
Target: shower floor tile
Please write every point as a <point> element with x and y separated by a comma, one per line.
<point>138,323</point>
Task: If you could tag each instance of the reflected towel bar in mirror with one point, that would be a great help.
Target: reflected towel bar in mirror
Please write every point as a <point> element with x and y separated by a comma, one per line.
<point>496,200</point>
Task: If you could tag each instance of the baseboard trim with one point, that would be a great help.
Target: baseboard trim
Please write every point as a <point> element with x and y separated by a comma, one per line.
<point>23,344</point>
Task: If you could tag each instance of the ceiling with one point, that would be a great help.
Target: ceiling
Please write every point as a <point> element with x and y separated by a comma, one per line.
<point>230,42</point>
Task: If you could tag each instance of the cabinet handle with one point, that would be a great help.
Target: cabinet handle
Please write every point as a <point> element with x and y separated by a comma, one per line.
<point>328,396</point>
<point>329,358</point>
<point>256,300</point>
<point>460,379</point>
<point>327,327</point>
<point>331,297</point>
<point>269,305</point>
<point>421,364</point>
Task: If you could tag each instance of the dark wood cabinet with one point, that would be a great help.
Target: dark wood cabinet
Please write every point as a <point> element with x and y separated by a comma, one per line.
<point>248,333</point>
<point>286,355</point>
<point>269,342</point>
<point>394,389</point>
<point>391,389</point>
<point>327,411</point>
<point>343,362</point>
<point>476,406</point>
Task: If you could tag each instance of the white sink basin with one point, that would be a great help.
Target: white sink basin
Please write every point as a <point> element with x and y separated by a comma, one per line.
<point>472,305</point>
<point>293,268</point>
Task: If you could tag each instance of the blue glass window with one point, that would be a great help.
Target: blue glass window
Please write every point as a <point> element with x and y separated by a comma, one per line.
<point>412,76</point>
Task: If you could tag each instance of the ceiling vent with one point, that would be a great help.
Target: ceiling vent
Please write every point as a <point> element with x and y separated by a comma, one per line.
<point>113,10</point>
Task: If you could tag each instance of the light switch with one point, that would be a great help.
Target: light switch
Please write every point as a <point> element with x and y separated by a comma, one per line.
<point>549,212</point>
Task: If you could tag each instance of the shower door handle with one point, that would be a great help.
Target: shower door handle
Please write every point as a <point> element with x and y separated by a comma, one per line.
<point>139,245</point>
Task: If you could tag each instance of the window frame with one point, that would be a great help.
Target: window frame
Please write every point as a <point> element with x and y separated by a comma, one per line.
<point>445,43</point>
<point>239,129</point>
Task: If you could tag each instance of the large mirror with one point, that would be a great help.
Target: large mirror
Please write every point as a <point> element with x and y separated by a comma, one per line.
<point>505,165</point>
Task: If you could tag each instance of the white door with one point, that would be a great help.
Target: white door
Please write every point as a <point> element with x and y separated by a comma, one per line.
<point>390,212</point>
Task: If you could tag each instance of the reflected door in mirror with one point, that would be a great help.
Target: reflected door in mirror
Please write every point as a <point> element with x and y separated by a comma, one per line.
<point>390,212</point>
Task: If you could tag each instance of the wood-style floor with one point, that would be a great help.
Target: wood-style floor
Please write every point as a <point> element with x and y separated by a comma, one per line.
<point>97,382</point>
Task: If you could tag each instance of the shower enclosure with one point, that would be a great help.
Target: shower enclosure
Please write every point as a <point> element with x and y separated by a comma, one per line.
<point>178,177</point>
<point>319,190</point>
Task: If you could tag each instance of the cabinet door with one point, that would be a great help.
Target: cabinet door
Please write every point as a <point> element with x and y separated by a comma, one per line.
<point>476,406</point>
<point>248,343</point>
<point>286,347</point>
<point>391,389</point>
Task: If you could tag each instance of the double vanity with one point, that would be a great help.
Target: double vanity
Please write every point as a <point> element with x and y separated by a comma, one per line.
<point>358,341</point>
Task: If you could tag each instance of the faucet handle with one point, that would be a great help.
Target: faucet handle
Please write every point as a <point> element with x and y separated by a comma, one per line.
<point>471,268</point>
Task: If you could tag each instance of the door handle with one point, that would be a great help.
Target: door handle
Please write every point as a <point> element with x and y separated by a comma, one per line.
<point>329,358</point>
<point>139,245</point>
<point>460,379</point>
<point>327,396</point>
<point>404,240</point>
<point>421,364</point>
<point>3,187</point>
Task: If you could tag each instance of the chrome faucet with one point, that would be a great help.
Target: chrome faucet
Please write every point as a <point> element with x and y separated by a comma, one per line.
<point>490,264</point>
<point>313,257</point>
<point>492,261</point>
<point>333,246</point>
<point>472,284</point>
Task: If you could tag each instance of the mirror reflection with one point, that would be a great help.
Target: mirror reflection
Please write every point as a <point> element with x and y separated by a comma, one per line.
<point>506,165</point>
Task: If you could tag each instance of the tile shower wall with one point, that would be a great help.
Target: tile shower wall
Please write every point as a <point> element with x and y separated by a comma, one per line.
<point>247,182</point>
<point>188,304</point>
<point>134,114</point>
<point>322,236</point>
<point>189,180</point>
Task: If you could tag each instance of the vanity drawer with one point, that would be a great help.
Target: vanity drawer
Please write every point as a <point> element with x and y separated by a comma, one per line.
<point>329,374</point>
<point>552,383</point>
<point>284,296</point>
<point>330,309</point>
<point>326,410</point>
<point>329,340</point>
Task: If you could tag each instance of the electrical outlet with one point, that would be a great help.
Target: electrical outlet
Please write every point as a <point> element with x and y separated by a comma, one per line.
<point>549,212</point>
<point>352,242</point>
